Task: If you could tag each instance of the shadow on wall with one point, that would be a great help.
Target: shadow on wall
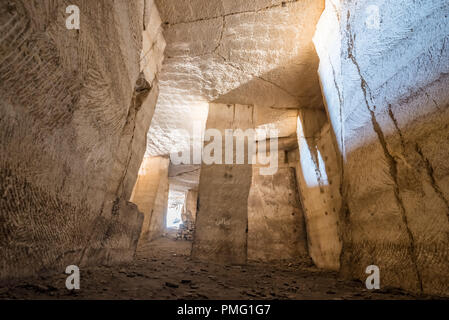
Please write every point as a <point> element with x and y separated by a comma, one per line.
<point>389,207</point>
<point>72,138</point>
<point>398,209</point>
<point>150,194</point>
<point>367,206</point>
<point>276,222</point>
<point>317,167</point>
<point>222,217</point>
<point>386,94</point>
<point>276,226</point>
<point>319,181</point>
<point>270,90</point>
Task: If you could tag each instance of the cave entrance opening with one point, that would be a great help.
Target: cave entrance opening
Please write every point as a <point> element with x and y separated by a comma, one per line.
<point>175,206</point>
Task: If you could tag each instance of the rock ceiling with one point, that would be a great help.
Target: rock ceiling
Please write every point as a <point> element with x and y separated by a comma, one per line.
<point>257,52</point>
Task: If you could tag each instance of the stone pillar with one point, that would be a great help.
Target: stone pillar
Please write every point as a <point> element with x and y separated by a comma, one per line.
<point>276,228</point>
<point>158,217</point>
<point>318,178</point>
<point>149,193</point>
<point>191,203</point>
<point>222,217</point>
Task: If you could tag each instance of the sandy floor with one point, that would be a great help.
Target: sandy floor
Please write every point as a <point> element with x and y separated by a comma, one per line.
<point>164,270</point>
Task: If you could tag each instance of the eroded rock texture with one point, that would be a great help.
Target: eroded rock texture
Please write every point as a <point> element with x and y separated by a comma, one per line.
<point>249,53</point>
<point>257,52</point>
<point>362,176</point>
<point>386,94</point>
<point>222,216</point>
<point>245,213</point>
<point>75,107</point>
<point>276,225</point>
<point>318,174</point>
<point>150,194</point>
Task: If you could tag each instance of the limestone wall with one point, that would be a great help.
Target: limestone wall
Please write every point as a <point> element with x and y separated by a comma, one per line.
<point>249,52</point>
<point>152,179</point>
<point>75,109</point>
<point>222,216</point>
<point>385,87</point>
<point>276,226</point>
<point>191,203</point>
<point>244,213</point>
<point>318,175</point>
<point>159,211</point>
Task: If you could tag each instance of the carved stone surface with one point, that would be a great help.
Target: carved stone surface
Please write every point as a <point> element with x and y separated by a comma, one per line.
<point>386,94</point>
<point>74,109</point>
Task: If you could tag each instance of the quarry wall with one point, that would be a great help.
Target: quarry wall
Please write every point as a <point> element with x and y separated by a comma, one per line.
<point>385,80</point>
<point>75,109</point>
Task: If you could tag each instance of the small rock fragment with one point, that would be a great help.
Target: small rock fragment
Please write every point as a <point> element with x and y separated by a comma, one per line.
<point>171,285</point>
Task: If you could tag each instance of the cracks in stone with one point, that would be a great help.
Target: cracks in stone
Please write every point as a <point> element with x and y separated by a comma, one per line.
<point>428,165</point>
<point>255,76</point>
<point>216,53</point>
<point>144,14</point>
<point>396,125</point>
<point>443,48</point>
<point>433,182</point>
<point>340,98</point>
<point>141,92</point>
<point>183,173</point>
<point>213,52</point>
<point>344,214</point>
<point>114,214</point>
<point>319,176</point>
<point>153,44</point>
<point>336,11</point>
<point>401,157</point>
<point>391,161</point>
<point>363,84</point>
<point>283,4</point>
<point>276,85</point>
<point>433,100</point>
<point>223,27</point>
<point>393,168</point>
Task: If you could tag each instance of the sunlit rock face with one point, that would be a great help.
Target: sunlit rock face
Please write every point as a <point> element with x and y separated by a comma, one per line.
<point>222,216</point>
<point>191,204</point>
<point>318,175</point>
<point>158,212</point>
<point>184,177</point>
<point>255,53</point>
<point>357,95</point>
<point>385,85</point>
<point>150,190</point>
<point>246,52</point>
<point>75,107</point>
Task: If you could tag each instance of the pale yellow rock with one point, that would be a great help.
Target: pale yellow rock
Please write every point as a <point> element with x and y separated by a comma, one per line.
<point>75,107</point>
